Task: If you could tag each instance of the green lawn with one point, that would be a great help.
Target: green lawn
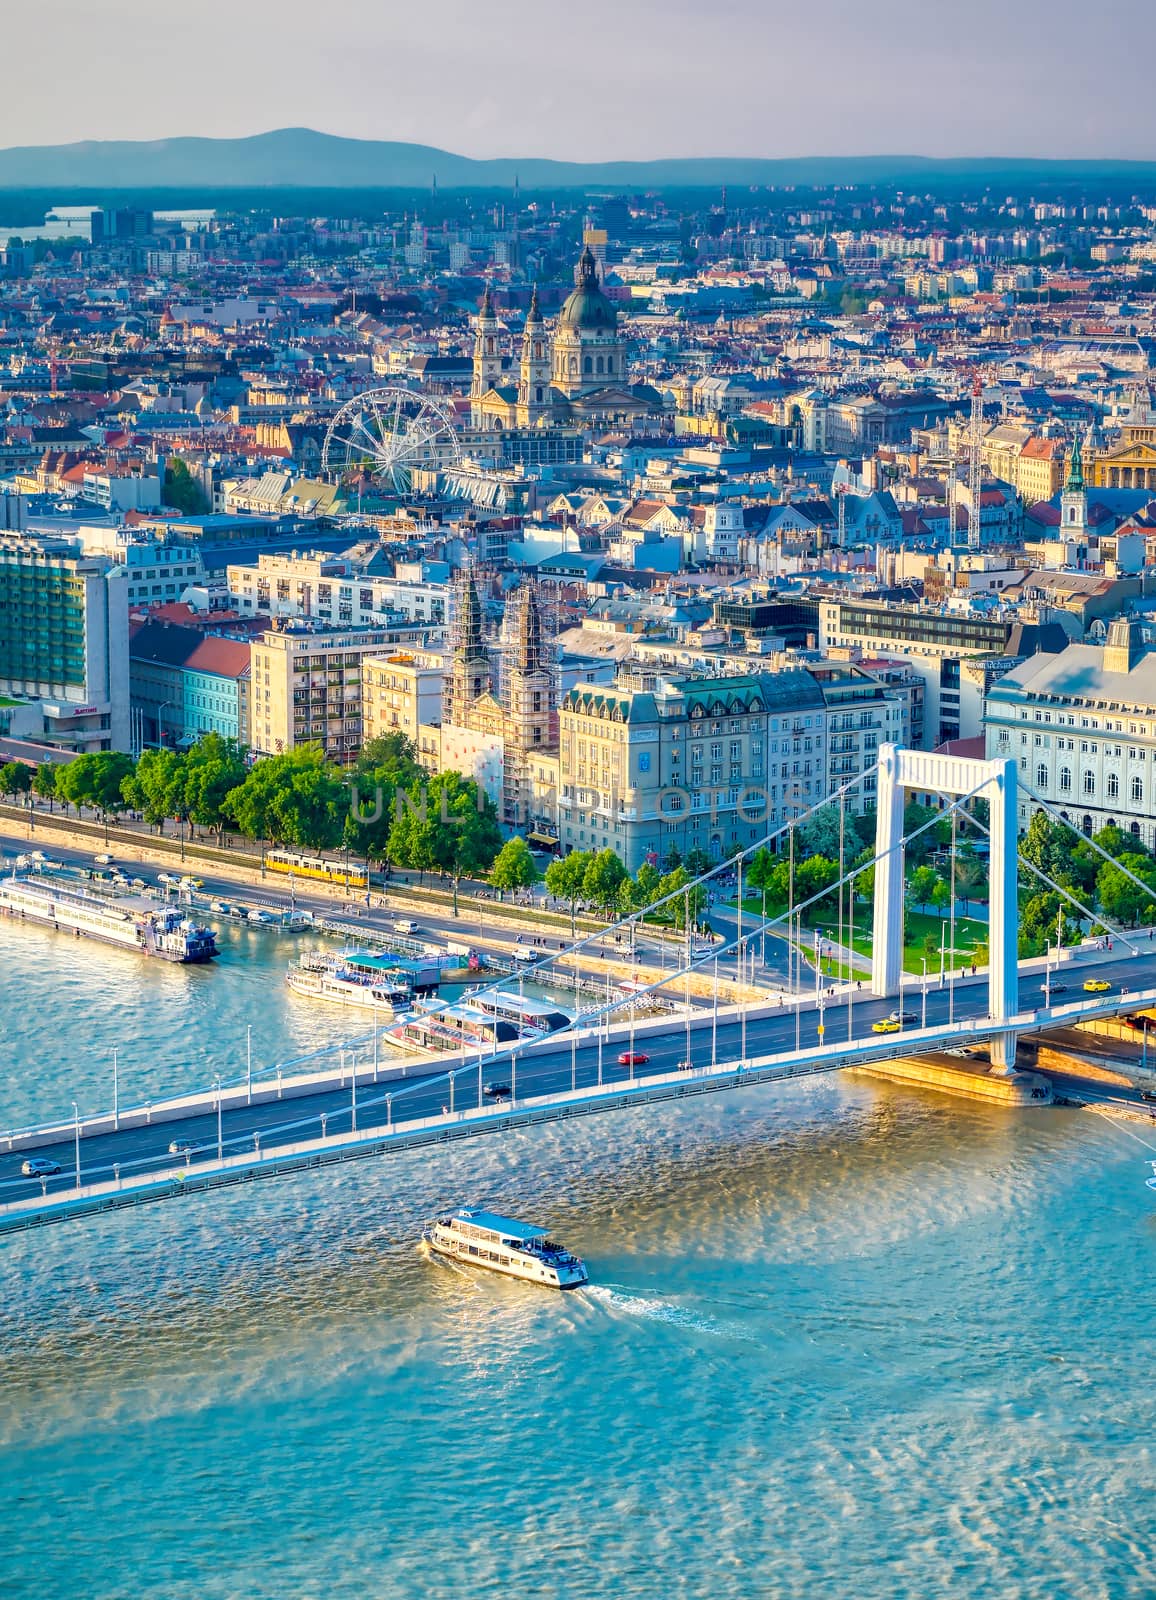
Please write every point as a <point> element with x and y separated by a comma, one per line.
<point>924,930</point>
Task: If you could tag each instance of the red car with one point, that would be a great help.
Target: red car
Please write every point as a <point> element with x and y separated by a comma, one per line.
<point>635,1060</point>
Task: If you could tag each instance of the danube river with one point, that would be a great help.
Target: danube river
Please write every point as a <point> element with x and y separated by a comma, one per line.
<point>840,1340</point>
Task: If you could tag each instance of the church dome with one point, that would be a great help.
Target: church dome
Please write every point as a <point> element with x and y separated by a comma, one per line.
<point>588,307</point>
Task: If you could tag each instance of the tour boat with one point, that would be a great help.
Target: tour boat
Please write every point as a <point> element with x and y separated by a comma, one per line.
<point>352,978</point>
<point>131,922</point>
<point>484,1239</point>
<point>525,1012</point>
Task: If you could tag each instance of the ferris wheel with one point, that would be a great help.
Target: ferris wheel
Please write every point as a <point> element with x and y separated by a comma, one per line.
<point>386,433</point>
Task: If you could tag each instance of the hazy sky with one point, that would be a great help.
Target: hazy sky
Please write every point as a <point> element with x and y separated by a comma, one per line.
<point>594,78</point>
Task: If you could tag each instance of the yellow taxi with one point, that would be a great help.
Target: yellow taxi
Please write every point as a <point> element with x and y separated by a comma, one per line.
<point>1097,985</point>
<point>885,1025</point>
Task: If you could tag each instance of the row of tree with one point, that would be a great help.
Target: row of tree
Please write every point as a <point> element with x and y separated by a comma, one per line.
<point>1123,888</point>
<point>597,879</point>
<point>387,807</point>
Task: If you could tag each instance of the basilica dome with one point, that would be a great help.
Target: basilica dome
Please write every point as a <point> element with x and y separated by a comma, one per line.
<point>588,307</point>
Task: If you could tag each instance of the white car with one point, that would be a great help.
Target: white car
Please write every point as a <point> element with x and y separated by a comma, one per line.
<point>40,1167</point>
<point>404,925</point>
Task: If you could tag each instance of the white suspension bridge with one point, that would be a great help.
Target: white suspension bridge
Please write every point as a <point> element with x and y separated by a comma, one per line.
<point>610,1058</point>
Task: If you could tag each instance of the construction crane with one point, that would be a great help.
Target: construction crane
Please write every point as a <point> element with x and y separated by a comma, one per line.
<point>975,464</point>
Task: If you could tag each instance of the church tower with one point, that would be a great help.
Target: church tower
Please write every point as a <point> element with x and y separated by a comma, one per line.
<point>487,356</point>
<point>534,399</point>
<point>469,676</point>
<point>531,706</point>
<point>1074,500</point>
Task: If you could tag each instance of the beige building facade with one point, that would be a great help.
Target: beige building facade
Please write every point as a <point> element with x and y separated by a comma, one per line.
<point>400,692</point>
<point>306,689</point>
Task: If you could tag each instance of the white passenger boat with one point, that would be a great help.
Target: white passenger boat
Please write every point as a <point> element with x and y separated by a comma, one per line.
<point>434,1029</point>
<point>522,1010</point>
<point>484,1239</point>
<point>351,978</point>
<point>132,922</point>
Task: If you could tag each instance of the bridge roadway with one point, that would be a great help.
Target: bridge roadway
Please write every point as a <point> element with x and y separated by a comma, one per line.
<point>136,1158</point>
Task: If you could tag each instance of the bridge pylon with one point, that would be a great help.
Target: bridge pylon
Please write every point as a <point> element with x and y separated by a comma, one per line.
<point>959,776</point>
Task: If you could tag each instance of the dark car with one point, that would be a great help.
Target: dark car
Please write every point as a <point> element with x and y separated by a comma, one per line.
<point>903,1017</point>
<point>183,1147</point>
<point>1053,988</point>
<point>497,1091</point>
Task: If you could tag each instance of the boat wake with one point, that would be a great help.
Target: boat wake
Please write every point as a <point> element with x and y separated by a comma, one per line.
<point>621,1301</point>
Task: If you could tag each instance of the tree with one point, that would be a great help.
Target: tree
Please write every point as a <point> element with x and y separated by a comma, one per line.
<point>392,757</point>
<point>921,886</point>
<point>812,877</point>
<point>605,876</point>
<point>156,788</point>
<point>681,908</point>
<point>515,867</point>
<point>819,835</point>
<point>213,768</point>
<point>1039,917</point>
<point>1121,899</point>
<point>761,870</point>
<point>309,811</point>
<point>96,779</point>
<point>386,766</point>
<point>450,826</point>
<point>646,885</point>
<point>864,880</point>
<point>16,778</point>
<point>1047,845</point>
<point>44,782</point>
<point>941,895</point>
<point>292,799</point>
<point>915,817</point>
<point>181,489</point>
<point>565,878</point>
<point>1115,842</point>
<point>970,873</point>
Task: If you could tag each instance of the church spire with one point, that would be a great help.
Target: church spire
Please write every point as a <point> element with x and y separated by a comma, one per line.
<point>1075,483</point>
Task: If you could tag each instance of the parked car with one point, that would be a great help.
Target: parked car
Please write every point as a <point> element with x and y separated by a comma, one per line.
<point>40,1167</point>
<point>637,1059</point>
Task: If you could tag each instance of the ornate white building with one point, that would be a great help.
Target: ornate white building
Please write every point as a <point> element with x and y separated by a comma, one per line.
<point>575,373</point>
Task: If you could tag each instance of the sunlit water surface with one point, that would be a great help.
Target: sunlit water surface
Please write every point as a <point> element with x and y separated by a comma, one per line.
<point>839,1340</point>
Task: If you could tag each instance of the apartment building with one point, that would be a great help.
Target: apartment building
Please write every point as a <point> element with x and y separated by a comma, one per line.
<point>306,688</point>
<point>186,683</point>
<point>400,692</point>
<point>937,644</point>
<point>64,646</point>
<point>1081,725</point>
<point>330,589</point>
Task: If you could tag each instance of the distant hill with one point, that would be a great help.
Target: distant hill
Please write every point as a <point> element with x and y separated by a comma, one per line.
<point>302,158</point>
